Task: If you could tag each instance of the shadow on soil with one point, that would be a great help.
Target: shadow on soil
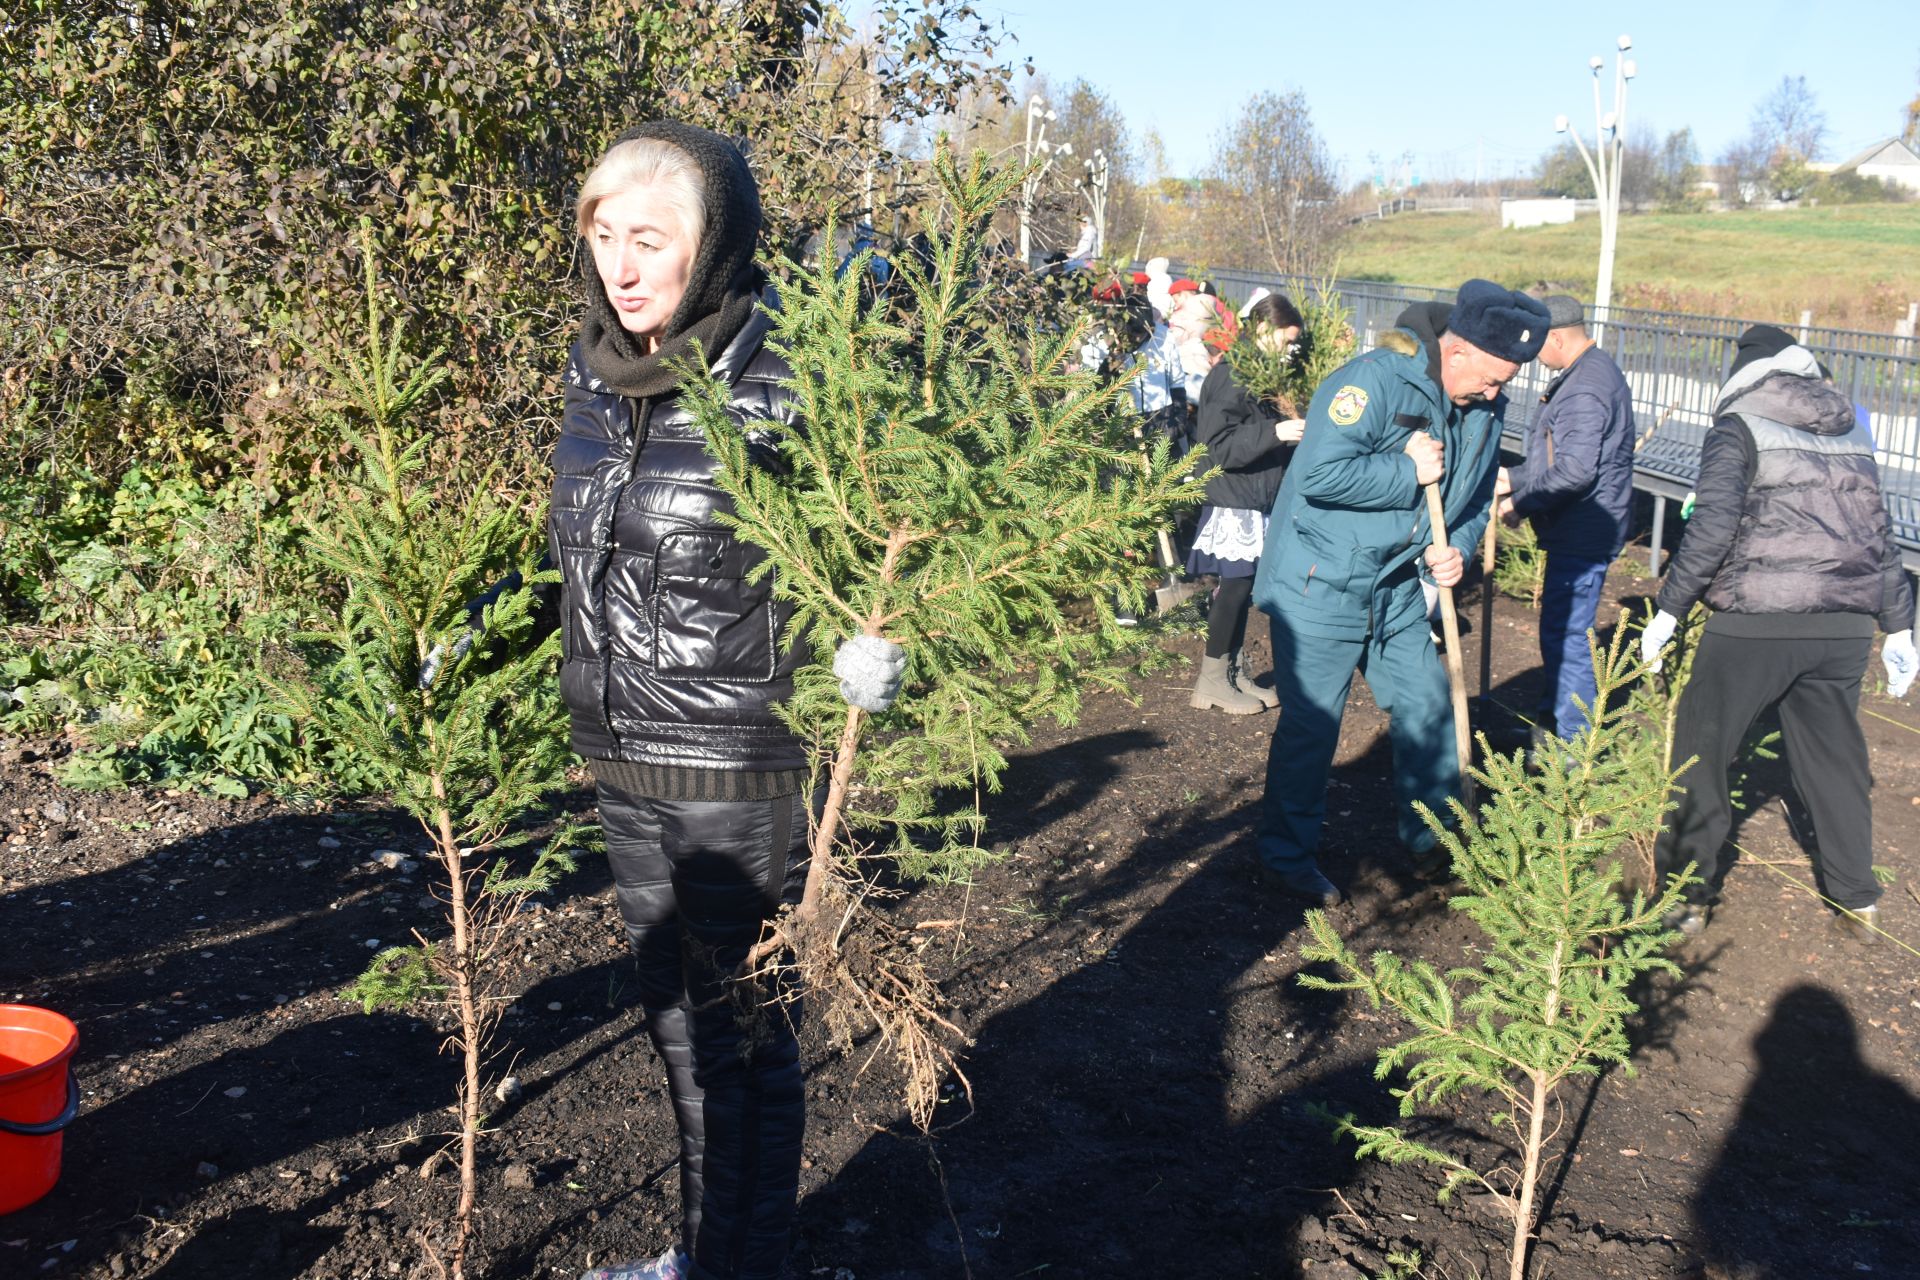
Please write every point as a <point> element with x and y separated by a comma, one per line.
<point>1784,1196</point>
<point>1150,1102</point>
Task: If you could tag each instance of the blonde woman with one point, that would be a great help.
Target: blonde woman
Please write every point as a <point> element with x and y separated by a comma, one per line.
<point>674,667</point>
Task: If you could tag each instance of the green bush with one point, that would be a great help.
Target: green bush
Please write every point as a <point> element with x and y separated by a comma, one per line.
<point>181,192</point>
<point>159,609</point>
<point>183,186</point>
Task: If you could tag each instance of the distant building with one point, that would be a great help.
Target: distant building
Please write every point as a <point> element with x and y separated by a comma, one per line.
<point>1536,213</point>
<point>1892,160</point>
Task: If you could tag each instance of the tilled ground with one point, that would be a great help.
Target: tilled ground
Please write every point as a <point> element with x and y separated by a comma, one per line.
<point>1147,1075</point>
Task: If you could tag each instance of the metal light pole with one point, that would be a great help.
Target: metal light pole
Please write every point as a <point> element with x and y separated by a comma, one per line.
<point>1035,144</point>
<point>1603,165</point>
<point>1094,188</point>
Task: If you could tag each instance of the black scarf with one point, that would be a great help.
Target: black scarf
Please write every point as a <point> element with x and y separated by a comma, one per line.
<point>722,288</point>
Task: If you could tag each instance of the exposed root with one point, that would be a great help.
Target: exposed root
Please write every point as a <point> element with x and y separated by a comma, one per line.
<point>863,975</point>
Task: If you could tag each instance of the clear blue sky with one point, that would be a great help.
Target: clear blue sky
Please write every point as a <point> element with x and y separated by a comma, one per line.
<point>1451,85</point>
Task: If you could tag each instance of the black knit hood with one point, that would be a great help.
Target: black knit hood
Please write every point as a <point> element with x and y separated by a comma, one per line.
<point>722,289</point>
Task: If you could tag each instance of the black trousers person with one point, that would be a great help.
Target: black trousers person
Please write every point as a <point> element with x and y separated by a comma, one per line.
<point>695,881</point>
<point>1816,682</point>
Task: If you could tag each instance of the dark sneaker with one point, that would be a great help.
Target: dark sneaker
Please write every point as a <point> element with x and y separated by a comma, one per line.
<point>1861,924</point>
<point>1302,882</point>
<point>671,1265</point>
<point>1689,918</point>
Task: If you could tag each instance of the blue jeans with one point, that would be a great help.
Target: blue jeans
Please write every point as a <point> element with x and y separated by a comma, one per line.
<point>1567,607</point>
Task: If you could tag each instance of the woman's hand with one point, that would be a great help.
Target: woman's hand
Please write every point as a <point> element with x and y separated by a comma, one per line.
<point>1291,430</point>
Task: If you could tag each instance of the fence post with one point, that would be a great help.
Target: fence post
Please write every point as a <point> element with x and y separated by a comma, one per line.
<point>1659,526</point>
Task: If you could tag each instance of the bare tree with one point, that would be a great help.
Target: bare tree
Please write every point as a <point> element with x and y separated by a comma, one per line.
<point>1677,170</point>
<point>1789,123</point>
<point>1743,172</point>
<point>1640,167</point>
<point>1277,180</point>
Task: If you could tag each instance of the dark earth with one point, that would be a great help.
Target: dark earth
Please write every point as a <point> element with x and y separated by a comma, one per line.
<point>1147,1075</point>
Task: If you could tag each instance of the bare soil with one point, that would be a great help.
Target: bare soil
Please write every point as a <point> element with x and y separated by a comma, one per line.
<point>1147,1074</point>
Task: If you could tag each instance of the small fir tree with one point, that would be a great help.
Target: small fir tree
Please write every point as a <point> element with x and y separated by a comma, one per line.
<point>1287,379</point>
<point>956,487</point>
<point>1549,1000</point>
<point>1520,564</point>
<point>470,751</point>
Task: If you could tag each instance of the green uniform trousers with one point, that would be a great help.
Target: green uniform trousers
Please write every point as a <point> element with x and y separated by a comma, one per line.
<point>1312,675</point>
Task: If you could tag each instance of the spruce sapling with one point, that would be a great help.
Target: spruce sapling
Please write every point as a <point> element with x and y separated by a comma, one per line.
<point>468,751</point>
<point>1550,999</point>
<point>954,486</point>
<point>1287,379</point>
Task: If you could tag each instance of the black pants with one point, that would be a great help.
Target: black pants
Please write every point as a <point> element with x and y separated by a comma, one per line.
<point>1817,684</point>
<point>695,880</point>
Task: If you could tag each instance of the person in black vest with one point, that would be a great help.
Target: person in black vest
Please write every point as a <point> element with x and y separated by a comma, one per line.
<point>1791,547</point>
<point>673,668</point>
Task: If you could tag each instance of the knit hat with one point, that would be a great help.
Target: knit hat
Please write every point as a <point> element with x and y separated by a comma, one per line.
<point>722,287</point>
<point>1501,322</point>
<point>1762,342</point>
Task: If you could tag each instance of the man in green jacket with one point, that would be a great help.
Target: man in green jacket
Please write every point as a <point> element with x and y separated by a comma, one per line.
<point>1348,542</point>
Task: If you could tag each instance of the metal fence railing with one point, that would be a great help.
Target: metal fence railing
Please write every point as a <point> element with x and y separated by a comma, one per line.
<point>1675,364</point>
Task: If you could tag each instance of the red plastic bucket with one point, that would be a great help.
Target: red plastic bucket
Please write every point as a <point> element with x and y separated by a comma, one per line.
<point>38,1098</point>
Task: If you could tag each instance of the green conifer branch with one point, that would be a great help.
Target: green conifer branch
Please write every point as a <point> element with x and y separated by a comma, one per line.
<point>479,749</point>
<point>1549,999</point>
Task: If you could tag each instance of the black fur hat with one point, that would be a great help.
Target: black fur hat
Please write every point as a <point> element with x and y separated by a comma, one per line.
<point>1501,322</point>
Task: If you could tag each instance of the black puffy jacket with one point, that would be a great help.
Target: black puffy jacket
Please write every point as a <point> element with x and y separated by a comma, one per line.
<point>1238,433</point>
<point>671,658</point>
<point>1790,522</point>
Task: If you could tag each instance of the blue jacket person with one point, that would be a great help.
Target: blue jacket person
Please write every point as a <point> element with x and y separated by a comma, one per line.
<point>1576,486</point>
<point>1346,544</point>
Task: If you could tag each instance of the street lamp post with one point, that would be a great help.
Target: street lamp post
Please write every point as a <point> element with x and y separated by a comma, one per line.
<point>1094,188</point>
<point>1035,145</point>
<point>1604,163</point>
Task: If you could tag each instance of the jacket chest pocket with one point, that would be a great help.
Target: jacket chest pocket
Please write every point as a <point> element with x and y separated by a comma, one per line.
<point>709,622</point>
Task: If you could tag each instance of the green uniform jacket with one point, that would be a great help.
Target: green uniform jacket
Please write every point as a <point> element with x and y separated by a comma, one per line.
<point>1349,528</point>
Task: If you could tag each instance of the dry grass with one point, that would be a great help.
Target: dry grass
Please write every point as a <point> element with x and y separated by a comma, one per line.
<point>1853,266</point>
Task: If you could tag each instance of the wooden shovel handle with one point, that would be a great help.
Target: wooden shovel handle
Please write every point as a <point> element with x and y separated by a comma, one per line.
<point>1456,670</point>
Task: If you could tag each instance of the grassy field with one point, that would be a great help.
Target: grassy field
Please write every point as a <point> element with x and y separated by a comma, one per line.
<point>1853,266</point>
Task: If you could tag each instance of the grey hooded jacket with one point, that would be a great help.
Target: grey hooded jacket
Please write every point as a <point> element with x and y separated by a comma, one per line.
<point>1789,535</point>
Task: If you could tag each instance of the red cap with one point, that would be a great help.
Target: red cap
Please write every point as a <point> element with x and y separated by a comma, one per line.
<point>1141,277</point>
<point>1184,286</point>
<point>1226,327</point>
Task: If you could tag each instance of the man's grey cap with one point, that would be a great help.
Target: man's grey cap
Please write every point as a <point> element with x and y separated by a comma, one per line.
<point>1563,311</point>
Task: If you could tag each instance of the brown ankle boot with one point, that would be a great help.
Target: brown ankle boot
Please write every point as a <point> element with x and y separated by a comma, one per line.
<point>1243,680</point>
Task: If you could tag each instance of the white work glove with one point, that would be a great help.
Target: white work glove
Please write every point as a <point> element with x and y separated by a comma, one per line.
<point>1901,662</point>
<point>1654,637</point>
<point>437,657</point>
<point>870,668</point>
